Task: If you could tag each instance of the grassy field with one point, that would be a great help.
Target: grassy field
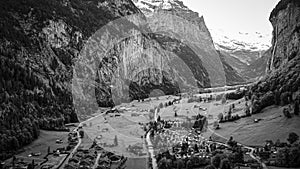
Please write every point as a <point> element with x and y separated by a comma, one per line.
<point>128,132</point>
<point>136,163</point>
<point>272,126</point>
<point>45,140</point>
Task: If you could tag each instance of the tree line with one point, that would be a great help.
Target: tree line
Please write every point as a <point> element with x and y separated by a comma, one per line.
<point>28,104</point>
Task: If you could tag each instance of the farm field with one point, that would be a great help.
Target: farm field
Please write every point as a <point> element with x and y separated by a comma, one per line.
<point>272,125</point>
<point>46,139</point>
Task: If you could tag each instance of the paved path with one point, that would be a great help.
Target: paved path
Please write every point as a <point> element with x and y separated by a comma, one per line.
<point>96,162</point>
<point>149,144</point>
<point>151,151</point>
<point>247,147</point>
<point>74,150</point>
<point>79,142</point>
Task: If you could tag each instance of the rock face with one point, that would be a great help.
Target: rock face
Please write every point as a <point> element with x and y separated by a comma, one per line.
<point>283,79</point>
<point>286,41</point>
<point>232,76</point>
<point>170,49</point>
<point>132,60</point>
<point>39,44</point>
<point>175,20</point>
<point>258,68</point>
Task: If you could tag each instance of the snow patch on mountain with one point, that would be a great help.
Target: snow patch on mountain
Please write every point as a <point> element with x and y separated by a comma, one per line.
<point>151,5</point>
<point>235,41</point>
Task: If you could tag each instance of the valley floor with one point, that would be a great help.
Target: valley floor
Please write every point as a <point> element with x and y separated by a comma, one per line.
<point>273,125</point>
<point>124,134</point>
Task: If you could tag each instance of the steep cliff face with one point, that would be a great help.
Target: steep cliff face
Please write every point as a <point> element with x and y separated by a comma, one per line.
<point>39,41</point>
<point>170,49</point>
<point>173,19</point>
<point>129,60</point>
<point>232,76</point>
<point>286,41</point>
<point>283,79</point>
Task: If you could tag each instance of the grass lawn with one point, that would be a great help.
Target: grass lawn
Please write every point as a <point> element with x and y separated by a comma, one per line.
<point>136,163</point>
<point>55,160</point>
<point>273,126</point>
<point>46,139</point>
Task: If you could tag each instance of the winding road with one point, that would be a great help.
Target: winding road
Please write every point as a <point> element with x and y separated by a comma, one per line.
<point>78,144</point>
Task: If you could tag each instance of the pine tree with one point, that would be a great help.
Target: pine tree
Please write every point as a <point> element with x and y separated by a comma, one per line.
<point>292,138</point>
<point>296,107</point>
<point>158,118</point>
<point>116,141</point>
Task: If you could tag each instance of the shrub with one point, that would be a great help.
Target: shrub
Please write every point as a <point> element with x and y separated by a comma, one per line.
<point>160,105</point>
<point>247,110</point>
<point>296,107</point>
<point>293,137</point>
<point>256,108</point>
<point>190,100</point>
<point>219,97</point>
<point>267,100</point>
<point>277,97</point>
<point>225,164</point>
<point>287,113</point>
<point>235,95</point>
<point>216,161</point>
<point>223,100</point>
<point>221,116</point>
<point>285,98</point>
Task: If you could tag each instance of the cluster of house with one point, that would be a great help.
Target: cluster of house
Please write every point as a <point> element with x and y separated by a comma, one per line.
<point>271,153</point>
<point>72,139</point>
<point>82,159</point>
<point>136,149</point>
<point>182,143</point>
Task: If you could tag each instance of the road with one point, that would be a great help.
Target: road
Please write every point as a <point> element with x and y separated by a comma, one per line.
<point>151,151</point>
<point>247,147</point>
<point>79,141</point>
<point>74,150</point>
<point>149,143</point>
<point>212,131</point>
<point>96,162</point>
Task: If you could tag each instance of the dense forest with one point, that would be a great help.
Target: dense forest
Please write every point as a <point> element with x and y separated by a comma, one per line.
<point>39,42</point>
<point>28,105</point>
<point>278,88</point>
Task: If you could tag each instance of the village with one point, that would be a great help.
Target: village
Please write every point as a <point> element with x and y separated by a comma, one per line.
<point>163,133</point>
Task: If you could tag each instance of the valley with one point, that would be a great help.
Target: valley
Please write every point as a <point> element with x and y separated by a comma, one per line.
<point>148,84</point>
<point>126,131</point>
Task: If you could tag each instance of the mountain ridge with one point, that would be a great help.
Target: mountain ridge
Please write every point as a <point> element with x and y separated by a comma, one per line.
<point>205,41</point>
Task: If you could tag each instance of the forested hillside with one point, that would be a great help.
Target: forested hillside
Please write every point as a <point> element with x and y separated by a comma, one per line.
<point>39,41</point>
<point>281,85</point>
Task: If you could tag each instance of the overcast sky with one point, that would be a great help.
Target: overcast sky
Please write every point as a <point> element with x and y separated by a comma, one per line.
<point>235,15</point>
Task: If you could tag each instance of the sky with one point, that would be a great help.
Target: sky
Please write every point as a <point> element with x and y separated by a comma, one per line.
<point>234,16</point>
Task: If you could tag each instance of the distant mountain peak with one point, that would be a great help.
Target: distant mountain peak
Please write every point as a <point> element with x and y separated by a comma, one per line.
<point>249,41</point>
<point>151,5</point>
